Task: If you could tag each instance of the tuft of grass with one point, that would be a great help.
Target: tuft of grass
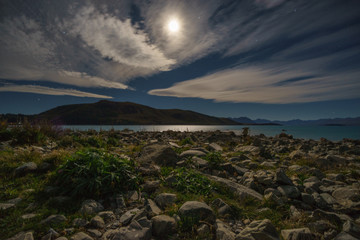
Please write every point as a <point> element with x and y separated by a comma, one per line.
<point>214,159</point>
<point>185,141</point>
<point>94,173</point>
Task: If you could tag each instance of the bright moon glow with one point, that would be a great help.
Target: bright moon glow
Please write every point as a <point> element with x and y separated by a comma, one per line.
<point>173,26</point>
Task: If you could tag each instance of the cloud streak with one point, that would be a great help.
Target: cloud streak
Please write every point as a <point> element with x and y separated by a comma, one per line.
<point>50,91</point>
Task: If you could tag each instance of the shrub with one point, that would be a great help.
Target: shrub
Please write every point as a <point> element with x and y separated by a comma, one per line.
<point>214,159</point>
<point>185,141</point>
<point>94,173</point>
<point>189,181</point>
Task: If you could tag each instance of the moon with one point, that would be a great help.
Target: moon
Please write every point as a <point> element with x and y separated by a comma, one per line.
<point>174,26</point>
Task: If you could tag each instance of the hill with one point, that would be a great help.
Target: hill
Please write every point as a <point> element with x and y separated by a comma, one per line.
<point>125,113</point>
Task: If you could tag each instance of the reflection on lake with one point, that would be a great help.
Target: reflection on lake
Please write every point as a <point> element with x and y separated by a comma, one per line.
<point>334,133</point>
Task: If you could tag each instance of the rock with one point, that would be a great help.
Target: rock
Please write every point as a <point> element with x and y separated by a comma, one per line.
<point>144,222</point>
<point>281,178</point>
<point>29,216</point>
<point>308,199</point>
<point>297,154</point>
<point>352,228</point>
<point>91,207</point>
<point>159,154</point>
<point>165,200</point>
<point>81,236</point>
<point>22,236</point>
<point>52,234</point>
<point>107,216</point>
<point>163,225</point>
<point>97,222</point>
<point>203,230</point>
<point>223,232</point>
<point>15,201</point>
<point>197,210</point>
<point>241,191</point>
<point>133,196</point>
<point>221,207</point>
<point>150,186</point>
<point>259,230</point>
<point>127,233</point>
<point>199,162</point>
<point>321,226</point>
<point>192,153</point>
<point>348,193</point>
<point>24,169</point>
<point>328,198</point>
<point>215,147</point>
<point>289,191</point>
<point>152,208</point>
<point>94,233</point>
<point>297,234</point>
<point>127,216</point>
<point>79,222</point>
<point>345,236</point>
<point>331,217</point>
<point>61,238</point>
<point>234,170</point>
<point>54,219</point>
<point>248,149</point>
<point>120,201</point>
<point>4,206</point>
<point>273,198</point>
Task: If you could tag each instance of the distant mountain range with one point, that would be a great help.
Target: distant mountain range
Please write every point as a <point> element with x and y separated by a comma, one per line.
<point>298,122</point>
<point>121,113</point>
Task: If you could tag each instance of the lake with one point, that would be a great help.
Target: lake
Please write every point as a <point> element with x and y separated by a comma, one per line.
<point>334,133</point>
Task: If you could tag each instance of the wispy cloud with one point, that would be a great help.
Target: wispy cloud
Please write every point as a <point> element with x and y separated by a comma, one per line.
<point>50,91</point>
<point>265,86</point>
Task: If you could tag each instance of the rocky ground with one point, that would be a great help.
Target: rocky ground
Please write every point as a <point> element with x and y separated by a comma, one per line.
<point>189,185</point>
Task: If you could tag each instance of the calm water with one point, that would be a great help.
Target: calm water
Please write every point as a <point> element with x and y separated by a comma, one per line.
<point>333,133</point>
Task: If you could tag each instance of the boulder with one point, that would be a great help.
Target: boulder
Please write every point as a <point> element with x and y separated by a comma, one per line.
<point>347,193</point>
<point>223,232</point>
<point>133,232</point>
<point>163,226</point>
<point>164,200</point>
<point>25,169</point>
<point>152,208</point>
<point>81,236</point>
<point>352,228</point>
<point>22,236</point>
<point>259,230</point>
<point>192,153</point>
<point>97,222</point>
<point>345,236</point>
<point>215,147</point>
<point>91,207</point>
<point>197,210</point>
<point>127,216</point>
<point>297,234</point>
<point>53,220</point>
<point>289,191</point>
<point>107,216</point>
<point>159,154</point>
<point>281,178</point>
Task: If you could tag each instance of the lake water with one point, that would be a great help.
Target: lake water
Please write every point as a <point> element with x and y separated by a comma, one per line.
<point>334,133</point>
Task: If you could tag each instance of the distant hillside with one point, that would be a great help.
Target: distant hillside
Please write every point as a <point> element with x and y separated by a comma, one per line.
<point>298,122</point>
<point>125,113</point>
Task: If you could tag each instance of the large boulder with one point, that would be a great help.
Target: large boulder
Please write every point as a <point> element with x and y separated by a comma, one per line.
<point>240,190</point>
<point>259,230</point>
<point>197,210</point>
<point>164,200</point>
<point>159,154</point>
<point>347,193</point>
<point>91,207</point>
<point>163,226</point>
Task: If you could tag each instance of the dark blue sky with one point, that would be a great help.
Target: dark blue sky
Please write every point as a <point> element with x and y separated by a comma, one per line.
<point>274,59</point>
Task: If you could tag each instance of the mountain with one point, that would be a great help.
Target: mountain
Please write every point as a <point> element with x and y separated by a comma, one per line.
<point>298,122</point>
<point>125,113</point>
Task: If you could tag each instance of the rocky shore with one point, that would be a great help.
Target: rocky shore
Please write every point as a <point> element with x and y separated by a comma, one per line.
<point>180,185</point>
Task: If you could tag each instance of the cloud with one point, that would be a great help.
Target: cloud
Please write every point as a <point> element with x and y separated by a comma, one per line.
<point>265,86</point>
<point>49,91</point>
<point>117,40</point>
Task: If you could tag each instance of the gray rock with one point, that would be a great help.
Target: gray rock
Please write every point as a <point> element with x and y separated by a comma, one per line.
<point>97,222</point>
<point>127,216</point>
<point>120,201</point>
<point>345,236</point>
<point>54,219</point>
<point>127,233</point>
<point>94,233</point>
<point>223,232</point>
<point>203,230</point>
<point>159,154</point>
<point>273,198</point>
<point>22,236</point>
<point>281,178</point>
<point>25,169</point>
<point>163,225</point>
<point>4,206</point>
<point>352,228</point>
<point>52,234</point>
<point>165,200</point>
<point>197,210</point>
<point>289,191</point>
<point>331,217</point>
<point>79,222</point>
<point>61,238</point>
<point>215,147</point>
<point>328,198</point>
<point>107,216</point>
<point>29,216</point>
<point>199,162</point>
<point>234,170</point>
<point>308,199</point>
<point>15,200</point>
<point>152,208</point>
<point>81,236</point>
<point>151,186</point>
<point>259,230</point>
<point>144,222</point>
<point>191,153</point>
<point>248,149</point>
<point>321,226</point>
<point>347,193</point>
<point>222,208</point>
<point>240,190</point>
<point>297,234</point>
<point>91,207</point>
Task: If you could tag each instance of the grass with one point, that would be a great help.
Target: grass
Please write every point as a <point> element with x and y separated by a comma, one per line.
<point>214,159</point>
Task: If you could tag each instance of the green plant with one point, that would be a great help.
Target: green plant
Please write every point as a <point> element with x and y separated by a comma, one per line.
<point>185,141</point>
<point>190,181</point>
<point>214,159</point>
<point>94,173</point>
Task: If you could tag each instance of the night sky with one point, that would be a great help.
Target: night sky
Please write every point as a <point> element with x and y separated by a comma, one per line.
<point>273,59</point>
